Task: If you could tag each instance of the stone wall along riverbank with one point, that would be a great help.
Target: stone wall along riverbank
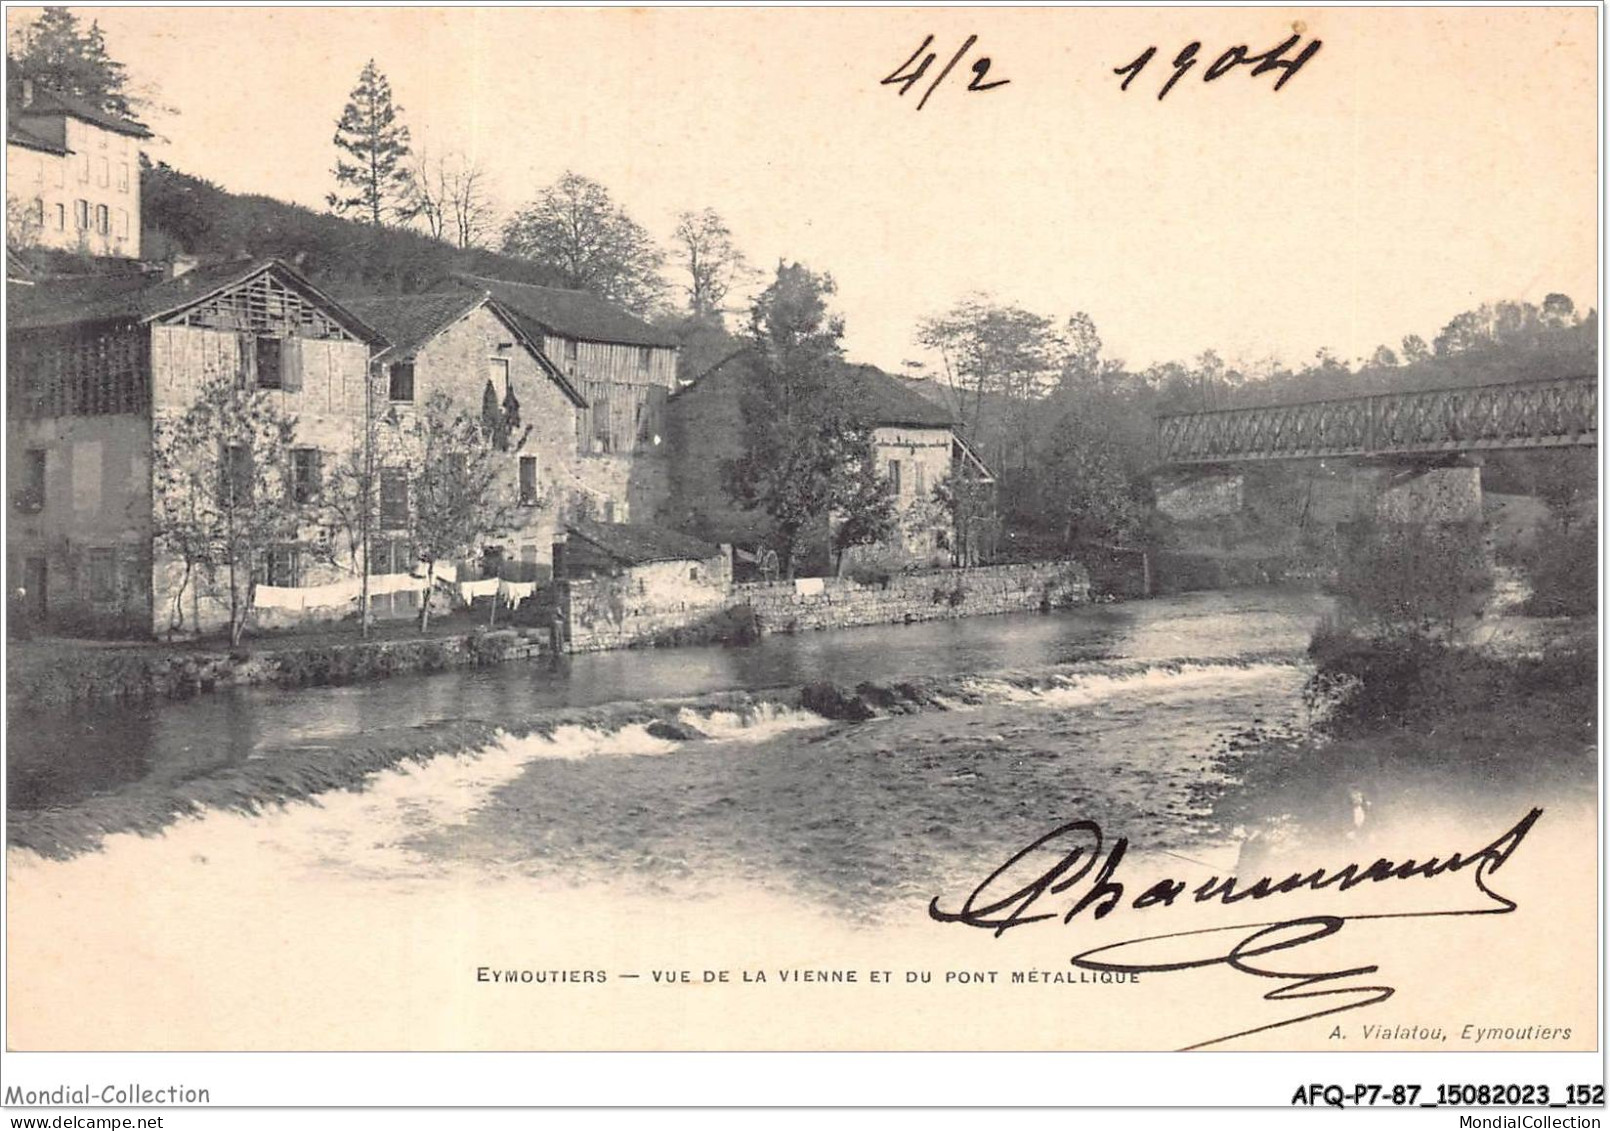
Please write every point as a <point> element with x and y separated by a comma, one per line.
<point>601,614</point>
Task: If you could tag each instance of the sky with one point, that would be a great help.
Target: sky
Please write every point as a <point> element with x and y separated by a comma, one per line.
<point>1421,162</point>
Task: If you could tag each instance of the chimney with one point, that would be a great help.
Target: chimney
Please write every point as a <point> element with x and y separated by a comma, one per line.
<point>181,265</point>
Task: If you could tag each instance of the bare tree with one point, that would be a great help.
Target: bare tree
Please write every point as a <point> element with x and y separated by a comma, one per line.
<point>221,491</point>
<point>451,198</point>
<point>703,247</point>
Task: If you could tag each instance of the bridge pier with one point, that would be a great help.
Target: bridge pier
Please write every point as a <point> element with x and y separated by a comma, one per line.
<point>1192,495</point>
<point>1443,495</point>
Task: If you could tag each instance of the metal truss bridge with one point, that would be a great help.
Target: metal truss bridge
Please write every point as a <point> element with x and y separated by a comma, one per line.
<point>1521,414</point>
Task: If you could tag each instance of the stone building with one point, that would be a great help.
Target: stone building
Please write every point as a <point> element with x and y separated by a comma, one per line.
<point>72,174</point>
<point>461,342</point>
<point>624,369</point>
<point>94,362</point>
<point>915,443</point>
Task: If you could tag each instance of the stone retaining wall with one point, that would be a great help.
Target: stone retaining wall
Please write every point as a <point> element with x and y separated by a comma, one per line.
<point>54,676</point>
<point>600,617</point>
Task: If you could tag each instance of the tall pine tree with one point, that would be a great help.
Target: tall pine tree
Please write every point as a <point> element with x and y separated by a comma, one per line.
<point>56,52</point>
<point>374,185</point>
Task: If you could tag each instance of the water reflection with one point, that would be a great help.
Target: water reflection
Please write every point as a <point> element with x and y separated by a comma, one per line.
<point>60,758</point>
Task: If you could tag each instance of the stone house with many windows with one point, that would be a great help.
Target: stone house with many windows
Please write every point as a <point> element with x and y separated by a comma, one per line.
<point>94,362</point>
<point>625,371</point>
<point>72,174</point>
<point>461,343</point>
<point>915,445</point>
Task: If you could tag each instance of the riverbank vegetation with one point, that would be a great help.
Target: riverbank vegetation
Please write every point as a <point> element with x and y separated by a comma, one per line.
<point>1424,697</point>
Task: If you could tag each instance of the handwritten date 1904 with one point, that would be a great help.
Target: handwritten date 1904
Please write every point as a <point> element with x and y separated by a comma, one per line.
<point>1273,59</point>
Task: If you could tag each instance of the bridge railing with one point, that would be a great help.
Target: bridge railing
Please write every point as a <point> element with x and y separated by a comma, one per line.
<point>1522,414</point>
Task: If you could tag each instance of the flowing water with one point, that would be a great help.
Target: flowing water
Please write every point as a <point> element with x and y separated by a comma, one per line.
<point>62,758</point>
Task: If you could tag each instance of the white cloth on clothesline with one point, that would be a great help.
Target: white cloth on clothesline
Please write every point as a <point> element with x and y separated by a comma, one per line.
<point>513,592</point>
<point>486,587</point>
<point>277,597</point>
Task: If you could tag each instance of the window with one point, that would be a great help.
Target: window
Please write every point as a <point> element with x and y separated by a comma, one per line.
<point>81,214</point>
<point>30,498</point>
<point>61,217</point>
<point>609,510</point>
<point>102,563</point>
<point>402,380</point>
<point>234,475</point>
<point>83,169</point>
<point>570,352</point>
<point>498,374</point>
<point>36,211</point>
<point>601,434</point>
<point>283,566</point>
<point>393,498</point>
<point>123,223</point>
<point>123,177</point>
<point>528,481</point>
<point>103,219</point>
<point>919,478</point>
<point>894,475</point>
<point>307,474</point>
<point>106,173</point>
<point>645,358</point>
<point>270,373</point>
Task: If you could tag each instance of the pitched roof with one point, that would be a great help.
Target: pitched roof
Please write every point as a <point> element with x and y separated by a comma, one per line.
<point>71,301</point>
<point>636,543</point>
<point>569,314</point>
<point>47,101</point>
<point>885,400</point>
<point>409,322</point>
<point>22,133</point>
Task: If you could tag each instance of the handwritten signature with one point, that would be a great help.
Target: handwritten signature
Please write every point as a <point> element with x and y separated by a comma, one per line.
<point>1004,901</point>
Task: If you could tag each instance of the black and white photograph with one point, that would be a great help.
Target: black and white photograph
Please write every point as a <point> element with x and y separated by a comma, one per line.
<point>804,530</point>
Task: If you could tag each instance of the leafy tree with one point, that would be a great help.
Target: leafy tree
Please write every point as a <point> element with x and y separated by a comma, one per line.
<point>1384,357</point>
<point>221,497</point>
<point>1558,310</point>
<point>807,453</point>
<point>704,249</point>
<point>57,52</point>
<point>1415,349</point>
<point>23,223</point>
<point>577,232</point>
<point>990,349</point>
<point>375,185</point>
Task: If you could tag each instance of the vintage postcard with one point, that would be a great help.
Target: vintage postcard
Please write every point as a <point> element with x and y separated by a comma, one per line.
<point>803,529</point>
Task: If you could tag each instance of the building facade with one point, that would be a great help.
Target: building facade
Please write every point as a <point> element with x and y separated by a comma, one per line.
<point>915,446</point>
<point>96,366</point>
<point>461,344</point>
<point>624,370</point>
<point>73,175</point>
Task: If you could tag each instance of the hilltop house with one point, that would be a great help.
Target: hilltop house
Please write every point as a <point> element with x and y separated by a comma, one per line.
<point>624,370</point>
<point>95,362</point>
<point>461,342</point>
<point>915,445</point>
<point>73,174</point>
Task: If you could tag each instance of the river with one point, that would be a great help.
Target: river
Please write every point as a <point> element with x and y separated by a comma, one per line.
<point>60,758</point>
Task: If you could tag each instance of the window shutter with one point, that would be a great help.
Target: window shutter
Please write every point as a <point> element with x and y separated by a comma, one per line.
<point>291,364</point>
